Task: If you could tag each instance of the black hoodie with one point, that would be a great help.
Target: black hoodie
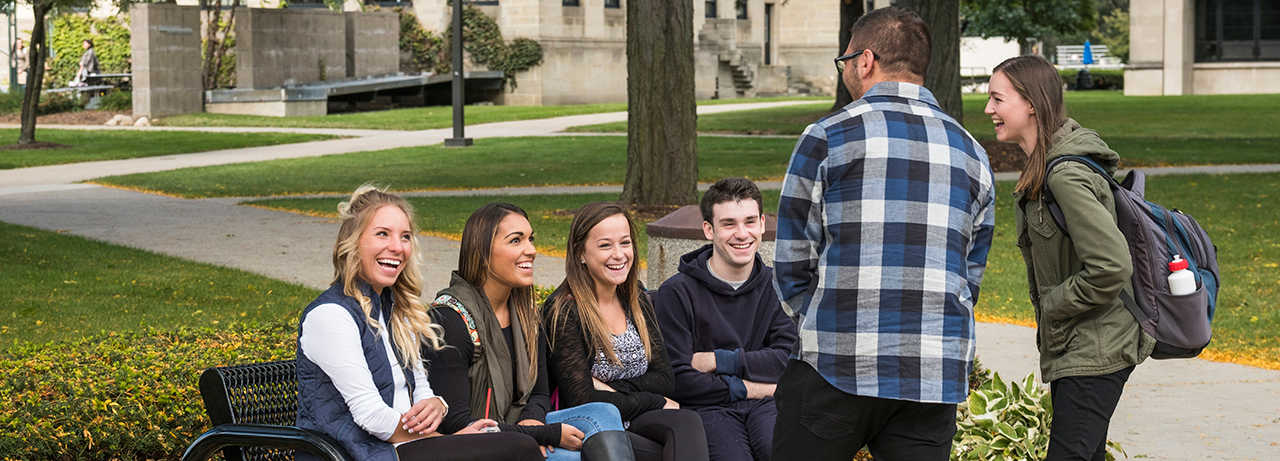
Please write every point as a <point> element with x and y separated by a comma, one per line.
<point>746,328</point>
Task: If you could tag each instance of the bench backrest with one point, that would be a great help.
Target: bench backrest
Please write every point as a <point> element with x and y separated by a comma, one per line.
<point>259,393</point>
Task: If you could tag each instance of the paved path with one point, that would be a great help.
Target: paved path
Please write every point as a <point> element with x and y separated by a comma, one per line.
<point>1178,409</point>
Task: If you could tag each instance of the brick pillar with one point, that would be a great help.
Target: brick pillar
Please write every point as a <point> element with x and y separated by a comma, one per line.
<point>165,42</point>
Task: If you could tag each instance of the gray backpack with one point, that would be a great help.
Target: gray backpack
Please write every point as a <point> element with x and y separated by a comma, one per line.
<point>1180,324</point>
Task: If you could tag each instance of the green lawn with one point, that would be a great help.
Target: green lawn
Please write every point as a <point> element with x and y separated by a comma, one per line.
<point>421,118</point>
<point>1146,131</point>
<point>493,162</point>
<point>1242,220</point>
<point>60,287</point>
<point>88,145</point>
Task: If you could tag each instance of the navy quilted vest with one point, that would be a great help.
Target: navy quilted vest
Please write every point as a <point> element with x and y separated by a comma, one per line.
<point>320,405</point>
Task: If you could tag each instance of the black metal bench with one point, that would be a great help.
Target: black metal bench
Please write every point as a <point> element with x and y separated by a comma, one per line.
<point>253,409</point>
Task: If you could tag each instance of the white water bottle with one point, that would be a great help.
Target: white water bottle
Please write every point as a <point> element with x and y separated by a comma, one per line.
<point>1181,281</point>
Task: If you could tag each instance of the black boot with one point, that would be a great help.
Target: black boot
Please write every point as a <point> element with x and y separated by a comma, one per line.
<point>608,446</point>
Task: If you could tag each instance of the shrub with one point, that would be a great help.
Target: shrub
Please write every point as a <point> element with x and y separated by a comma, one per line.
<point>1103,79</point>
<point>11,102</point>
<point>122,396</point>
<point>420,50</point>
<point>56,102</point>
<point>110,37</point>
<point>1006,421</point>
<point>116,100</point>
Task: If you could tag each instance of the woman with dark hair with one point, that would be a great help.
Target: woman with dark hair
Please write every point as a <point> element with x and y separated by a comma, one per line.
<point>361,377</point>
<point>495,360</point>
<point>1088,342</point>
<point>88,64</point>
<point>605,343</point>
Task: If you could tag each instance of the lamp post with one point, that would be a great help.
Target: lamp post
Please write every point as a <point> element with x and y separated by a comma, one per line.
<point>459,90</point>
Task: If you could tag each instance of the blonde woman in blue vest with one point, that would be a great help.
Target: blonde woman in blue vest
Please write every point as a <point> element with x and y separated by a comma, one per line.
<point>361,378</point>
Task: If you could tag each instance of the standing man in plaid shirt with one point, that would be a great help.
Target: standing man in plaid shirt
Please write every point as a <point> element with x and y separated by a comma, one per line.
<point>884,224</point>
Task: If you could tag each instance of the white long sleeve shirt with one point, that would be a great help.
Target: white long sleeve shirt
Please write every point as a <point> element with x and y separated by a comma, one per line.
<point>331,339</point>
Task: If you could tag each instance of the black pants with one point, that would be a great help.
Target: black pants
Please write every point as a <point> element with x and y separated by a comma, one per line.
<point>1082,408</point>
<point>487,446</point>
<point>817,422</point>
<point>668,435</point>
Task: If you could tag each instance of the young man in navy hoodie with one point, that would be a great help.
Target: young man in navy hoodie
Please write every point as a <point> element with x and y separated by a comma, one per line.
<point>725,331</point>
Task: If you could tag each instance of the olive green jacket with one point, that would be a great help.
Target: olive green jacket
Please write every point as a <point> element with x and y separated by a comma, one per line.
<point>1083,328</point>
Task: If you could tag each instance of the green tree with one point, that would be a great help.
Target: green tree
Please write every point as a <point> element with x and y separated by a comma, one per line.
<point>38,53</point>
<point>1025,20</point>
<point>1114,32</point>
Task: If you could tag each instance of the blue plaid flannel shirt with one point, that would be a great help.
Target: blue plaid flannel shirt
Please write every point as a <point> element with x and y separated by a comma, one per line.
<point>884,224</point>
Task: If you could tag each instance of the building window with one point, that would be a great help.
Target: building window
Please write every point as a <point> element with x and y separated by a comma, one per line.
<point>710,7</point>
<point>741,8</point>
<point>613,3</point>
<point>570,3</point>
<point>1237,30</point>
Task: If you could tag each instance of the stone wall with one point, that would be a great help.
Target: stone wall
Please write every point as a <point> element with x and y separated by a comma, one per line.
<point>288,46</point>
<point>165,42</point>
<point>373,40</point>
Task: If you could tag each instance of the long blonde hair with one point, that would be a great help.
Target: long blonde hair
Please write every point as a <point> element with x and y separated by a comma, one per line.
<point>411,326</point>
<point>474,265</point>
<point>578,288</point>
<point>1039,84</point>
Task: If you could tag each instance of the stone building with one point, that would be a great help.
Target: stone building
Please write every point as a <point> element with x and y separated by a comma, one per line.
<point>744,48</point>
<point>1203,47</point>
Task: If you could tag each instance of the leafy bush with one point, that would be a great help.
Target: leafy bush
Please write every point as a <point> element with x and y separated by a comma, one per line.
<point>1006,421</point>
<point>1103,79</point>
<point>110,37</point>
<point>420,50</point>
<point>116,100</point>
<point>122,396</point>
<point>55,103</point>
<point>11,103</point>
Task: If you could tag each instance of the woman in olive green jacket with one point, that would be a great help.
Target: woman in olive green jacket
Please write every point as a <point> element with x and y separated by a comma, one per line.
<point>1088,341</point>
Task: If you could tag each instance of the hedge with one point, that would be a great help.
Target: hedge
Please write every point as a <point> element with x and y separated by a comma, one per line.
<point>1103,79</point>
<point>110,37</point>
<point>120,396</point>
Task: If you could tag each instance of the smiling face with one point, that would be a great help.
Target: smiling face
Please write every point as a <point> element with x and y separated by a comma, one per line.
<point>511,254</point>
<point>1013,116</point>
<point>385,246</point>
<point>608,252</point>
<point>735,233</point>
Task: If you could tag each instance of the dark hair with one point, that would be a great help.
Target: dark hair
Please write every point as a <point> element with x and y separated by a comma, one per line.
<point>90,42</point>
<point>729,190</point>
<point>474,266</point>
<point>898,38</point>
<point>1039,83</point>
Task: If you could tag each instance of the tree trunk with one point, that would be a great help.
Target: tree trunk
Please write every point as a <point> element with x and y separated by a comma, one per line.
<point>943,77</point>
<point>39,50</point>
<point>850,11</point>
<point>662,161</point>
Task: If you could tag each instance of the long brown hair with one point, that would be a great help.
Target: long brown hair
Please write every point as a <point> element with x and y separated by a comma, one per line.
<point>1039,84</point>
<point>474,265</point>
<point>410,325</point>
<point>578,289</point>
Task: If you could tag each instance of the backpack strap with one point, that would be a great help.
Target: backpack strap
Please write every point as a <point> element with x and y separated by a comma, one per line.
<point>1047,193</point>
<point>451,302</point>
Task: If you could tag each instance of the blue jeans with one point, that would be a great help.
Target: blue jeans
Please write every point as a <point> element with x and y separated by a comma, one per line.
<point>589,418</point>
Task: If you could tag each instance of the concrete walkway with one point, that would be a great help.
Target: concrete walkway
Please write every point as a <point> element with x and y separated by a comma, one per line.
<point>1179,409</point>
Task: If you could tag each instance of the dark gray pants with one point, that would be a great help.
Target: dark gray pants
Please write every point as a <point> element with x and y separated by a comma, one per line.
<point>817,422</point>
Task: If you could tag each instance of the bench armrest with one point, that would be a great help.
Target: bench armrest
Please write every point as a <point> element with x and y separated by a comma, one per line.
<point>266,436</point>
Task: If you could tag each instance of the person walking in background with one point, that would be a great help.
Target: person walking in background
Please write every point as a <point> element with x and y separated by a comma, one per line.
<point>1088,341</point>
<point>605,343</point>
<point>726,333</point>
<point>495,364</point>
<point>361,377</point>
<point>884,224</point>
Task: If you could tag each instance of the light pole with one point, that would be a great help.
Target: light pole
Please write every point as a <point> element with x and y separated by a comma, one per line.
<point>459,90</point>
